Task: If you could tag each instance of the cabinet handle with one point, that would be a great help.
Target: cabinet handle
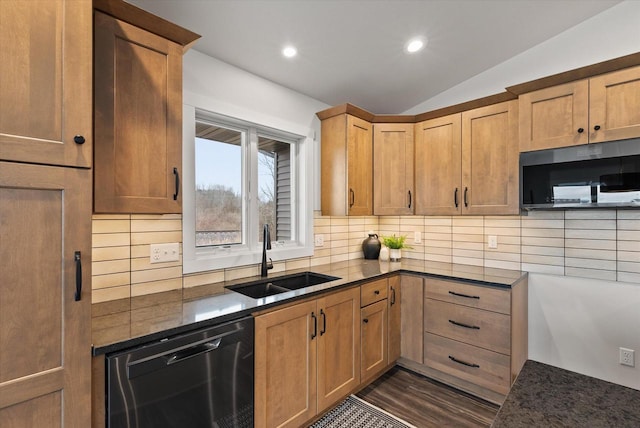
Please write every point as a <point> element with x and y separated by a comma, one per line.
<point>175,172</point>
<point>580,130</point>
<point>464,363</point>
<point>315,326</point>
<point>464,295</point>
<point>466,202</point>
<point>376,292</point>
<point>77,256</point>
<point>409,199</point>
<point>352,198</point>
<point>596,128</point>
<point>473,327</point>
<point>79,139</point>
<point>455,197</point>
<point>324,322</point>
<point>365,320</point>
<point>393,296</point>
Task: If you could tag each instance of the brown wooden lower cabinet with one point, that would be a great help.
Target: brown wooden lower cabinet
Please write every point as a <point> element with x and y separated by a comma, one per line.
<point>374,339</point>
<point>45,318</point>
<point>394,316</point>
<point>473,337</point>
<point>307,357</point>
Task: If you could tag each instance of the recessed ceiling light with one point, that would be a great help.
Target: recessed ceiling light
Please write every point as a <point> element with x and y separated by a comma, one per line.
<point>415,45</point>
<point>289,51</point>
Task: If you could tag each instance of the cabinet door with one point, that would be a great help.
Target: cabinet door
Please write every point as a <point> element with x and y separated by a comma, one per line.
<point>285,366</point>
<point>438,168</point>
<point>359,166</point>
<point>45,82</point>
<point>338,346</point>
<point>138,120</point>
<point>45,356</point>
<point>554,117</point>
<point>412,306</point>
<point>374,339</point>
<point>393,192</point>
<point>394,299</point>
<point>490,159</point>
<point>614,106</point>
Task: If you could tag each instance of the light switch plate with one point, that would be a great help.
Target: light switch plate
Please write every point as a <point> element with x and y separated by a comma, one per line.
<point>162,253</point>
<point>492,241</point>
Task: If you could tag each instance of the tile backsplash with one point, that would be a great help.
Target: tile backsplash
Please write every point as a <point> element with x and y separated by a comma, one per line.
<point>602,244</point>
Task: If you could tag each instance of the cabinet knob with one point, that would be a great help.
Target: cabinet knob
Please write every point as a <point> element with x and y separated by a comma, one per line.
<point>596,128</point>
<point>376,292</point>
<point>365,320</point>
<point>580,130</point>
<point>79,139</point>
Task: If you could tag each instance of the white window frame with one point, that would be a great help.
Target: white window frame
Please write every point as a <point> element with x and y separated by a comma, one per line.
<point>195,259</point>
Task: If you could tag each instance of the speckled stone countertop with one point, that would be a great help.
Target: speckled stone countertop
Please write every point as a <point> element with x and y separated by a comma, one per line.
<point>547,396</point>
<point>131,322</point>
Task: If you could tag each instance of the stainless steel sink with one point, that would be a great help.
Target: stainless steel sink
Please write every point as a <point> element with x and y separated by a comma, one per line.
<point>281,284</point>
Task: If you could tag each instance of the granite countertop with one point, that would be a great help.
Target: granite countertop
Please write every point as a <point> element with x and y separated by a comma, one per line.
<point>131,322</point>
<point>547,396</point>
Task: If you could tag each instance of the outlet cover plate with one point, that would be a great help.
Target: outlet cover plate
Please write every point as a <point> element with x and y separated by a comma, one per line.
<point>627,357</point>
<point>162,253</point>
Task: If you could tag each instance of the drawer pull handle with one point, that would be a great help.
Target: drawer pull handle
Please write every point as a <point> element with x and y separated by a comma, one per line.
<point>474,327</point>
<point>464,295</point>
<point>376,292</point>
<point>393,296</point>
<point>464,363</point>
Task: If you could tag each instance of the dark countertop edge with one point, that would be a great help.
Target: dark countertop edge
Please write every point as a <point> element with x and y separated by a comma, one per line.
<point>150,338</point>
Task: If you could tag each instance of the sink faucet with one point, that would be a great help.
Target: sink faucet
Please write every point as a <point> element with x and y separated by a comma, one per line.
<point>266,245</point>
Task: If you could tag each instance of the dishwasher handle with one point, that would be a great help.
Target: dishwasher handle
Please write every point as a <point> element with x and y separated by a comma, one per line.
<point>164,359</point>
<point>193,351</point>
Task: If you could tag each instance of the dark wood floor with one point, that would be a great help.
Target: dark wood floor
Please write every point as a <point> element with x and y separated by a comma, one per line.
<point>426,403</point>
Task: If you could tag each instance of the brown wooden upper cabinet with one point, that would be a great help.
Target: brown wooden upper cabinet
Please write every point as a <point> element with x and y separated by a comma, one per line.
<point>603,108</point>
<point>346,162</point>
<point>467,163</point>
<point>46,82</point>
<point>138,117</point>
<point>393,192</point>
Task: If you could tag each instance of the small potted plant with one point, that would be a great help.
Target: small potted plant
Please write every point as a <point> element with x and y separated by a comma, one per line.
<point>395,244</point>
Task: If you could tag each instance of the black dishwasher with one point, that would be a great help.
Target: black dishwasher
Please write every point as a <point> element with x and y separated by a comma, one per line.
<point>200,379</point>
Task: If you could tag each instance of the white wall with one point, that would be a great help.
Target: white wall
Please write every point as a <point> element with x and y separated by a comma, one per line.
<point>221,88</point>
<point>579,324</point>
<point>610,34</point>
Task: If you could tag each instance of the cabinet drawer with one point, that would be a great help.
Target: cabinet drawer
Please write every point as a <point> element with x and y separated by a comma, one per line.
<point>488,330</point>
<point>479,366</point>
<point>373,292</point>
<point>475,296</point>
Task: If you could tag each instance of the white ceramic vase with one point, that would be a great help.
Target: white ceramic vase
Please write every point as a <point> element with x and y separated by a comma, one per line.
<point>395,254</point>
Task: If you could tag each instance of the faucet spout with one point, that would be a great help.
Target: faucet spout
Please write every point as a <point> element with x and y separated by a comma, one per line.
<point>266,245</point>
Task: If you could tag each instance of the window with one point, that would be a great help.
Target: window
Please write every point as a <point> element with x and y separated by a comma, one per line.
<point>240,176</point>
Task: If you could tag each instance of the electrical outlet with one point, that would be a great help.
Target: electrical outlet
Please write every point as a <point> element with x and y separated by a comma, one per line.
<point>492,241</point>
<point>627,357</point>
<point>162,253</point>
<point>417,237</point>
<point>319,240</point>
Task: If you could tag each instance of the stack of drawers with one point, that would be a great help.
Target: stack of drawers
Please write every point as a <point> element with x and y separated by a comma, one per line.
<point>468,333</point>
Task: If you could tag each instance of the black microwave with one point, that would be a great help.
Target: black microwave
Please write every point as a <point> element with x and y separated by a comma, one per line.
<point>587,176</point>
